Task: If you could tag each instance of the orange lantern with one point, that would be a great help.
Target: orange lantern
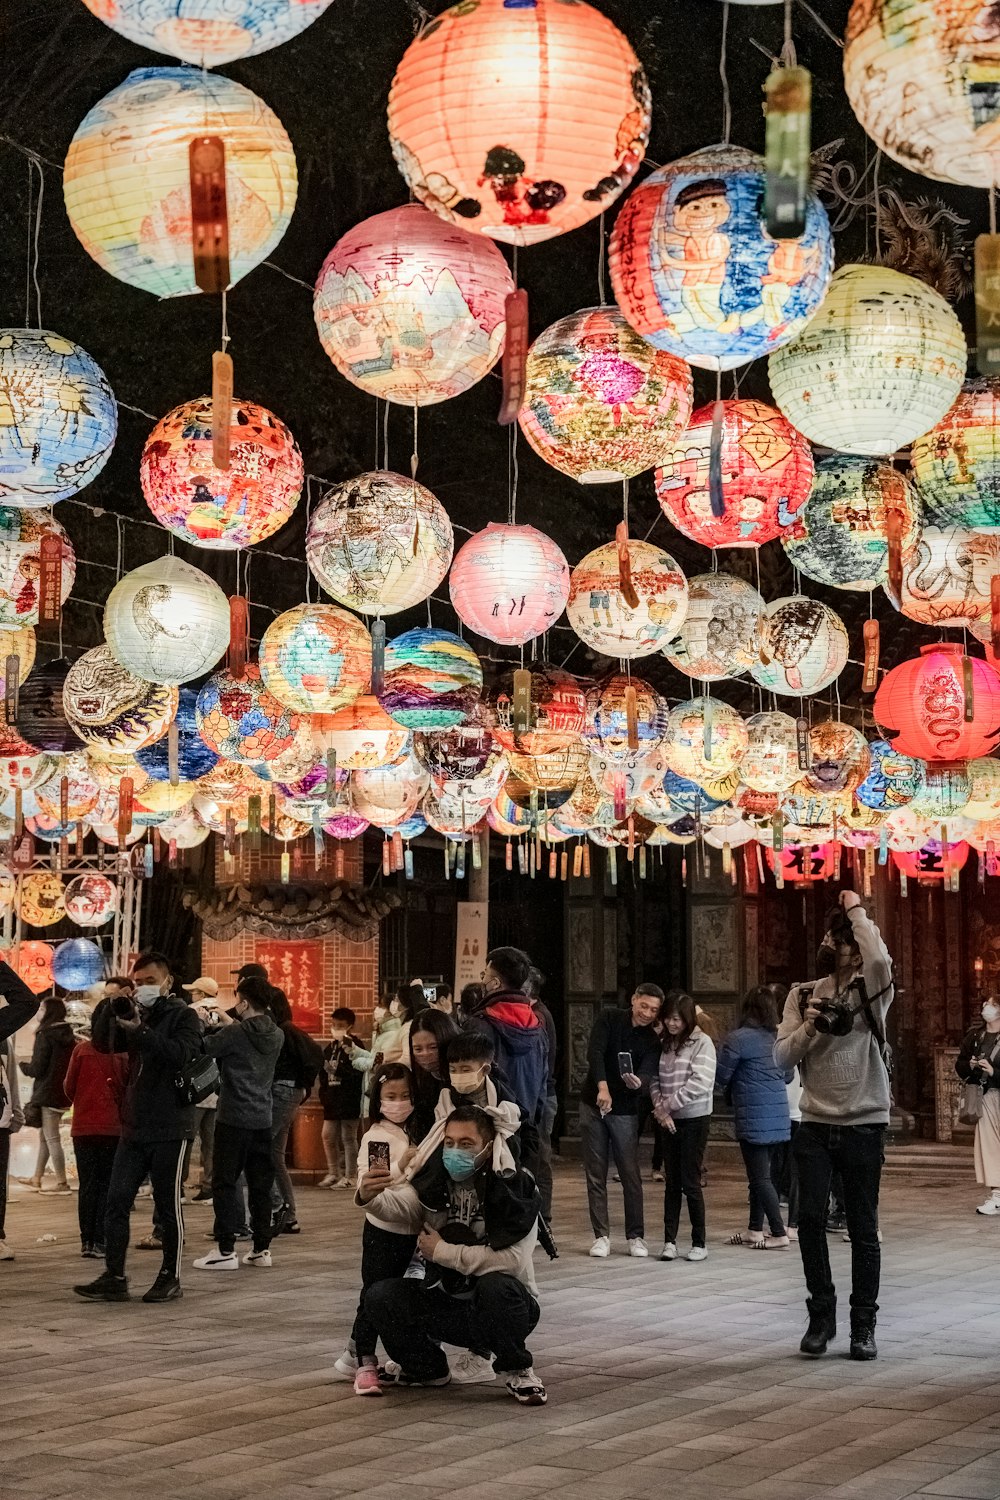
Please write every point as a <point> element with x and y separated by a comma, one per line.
<point>34,965</point>
<point>927,701</point>
<point>931,863</point>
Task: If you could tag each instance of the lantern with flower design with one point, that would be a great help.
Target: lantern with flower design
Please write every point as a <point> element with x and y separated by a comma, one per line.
<point>926,701</point>
<point>241,721</point>
<point>509,583</point>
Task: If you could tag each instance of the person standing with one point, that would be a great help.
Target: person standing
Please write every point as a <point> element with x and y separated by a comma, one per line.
<point>340,1087</point>
<point>845,1114</point>
<point>204,995</point>
<point>522,1047</point>
<point>550,1104</point>
<point>757,1087</point>
<point>299,1064</point>
<point>978,1062</point>
<point>17,1009</point>
<point>54,1043</point>
<point>95,1086</point>
<point>682,1103</point>
<point>623,1054</point>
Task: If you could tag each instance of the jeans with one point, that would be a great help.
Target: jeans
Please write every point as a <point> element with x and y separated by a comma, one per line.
<point>384,1257</point>
<point>856,1152</point>
<point>50,1144</point>
<point>413,1321</point>
<point>239,1149</point>
<point>543,1176</point>
<point>617,1136</point>
<point>285,1101</point>
<point>163,1163</point>
<point>683,1155</point>
<point>340,1142</point>
<point>785,1176</point>
<point>95,1158</point>
<point>763,1194</point>
<point>4,1168</point>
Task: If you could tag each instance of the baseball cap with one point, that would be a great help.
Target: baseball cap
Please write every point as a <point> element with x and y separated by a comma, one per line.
<point>203,983</point>
<point>249,971</point>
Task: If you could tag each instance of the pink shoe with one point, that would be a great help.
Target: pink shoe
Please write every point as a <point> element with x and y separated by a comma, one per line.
<point>366,1381</point>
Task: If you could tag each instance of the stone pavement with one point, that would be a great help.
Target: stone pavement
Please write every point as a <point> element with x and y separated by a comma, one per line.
<point>662,1378</point>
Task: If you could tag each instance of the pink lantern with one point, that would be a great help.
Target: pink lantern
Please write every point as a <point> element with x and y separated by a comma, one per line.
<point>509,583</point>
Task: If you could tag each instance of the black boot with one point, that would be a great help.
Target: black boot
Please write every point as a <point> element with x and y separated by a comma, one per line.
<point>863,1344</point>
<point>822,1328</point>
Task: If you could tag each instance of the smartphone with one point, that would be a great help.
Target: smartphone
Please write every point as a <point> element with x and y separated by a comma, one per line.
<point>625,1063</point>
<point>378,1155</point>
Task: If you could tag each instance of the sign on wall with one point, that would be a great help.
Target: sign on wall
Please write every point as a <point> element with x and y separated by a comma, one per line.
<point>296,968</point>
<point>471,942</point>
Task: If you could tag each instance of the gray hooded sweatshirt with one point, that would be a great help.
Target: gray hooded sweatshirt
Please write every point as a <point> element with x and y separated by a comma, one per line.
<point>246,1052</point>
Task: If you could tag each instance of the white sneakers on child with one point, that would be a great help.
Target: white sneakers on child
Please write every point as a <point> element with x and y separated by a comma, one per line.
<point>601,1248</point>
<point>637,1247</point>
<point>328,1182</point>
<point>471,1369</point>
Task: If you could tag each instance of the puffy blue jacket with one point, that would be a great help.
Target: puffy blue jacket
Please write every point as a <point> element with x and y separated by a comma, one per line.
<point>756,1085</point>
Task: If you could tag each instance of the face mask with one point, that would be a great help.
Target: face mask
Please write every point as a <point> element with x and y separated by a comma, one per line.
<point>147,994</point>
<point>991,1012</point>
<point>460,1163</point>
<point>379,1014</point>
<point>398,1111</point>
<point>468,1083</point>
<point>395,1010</point>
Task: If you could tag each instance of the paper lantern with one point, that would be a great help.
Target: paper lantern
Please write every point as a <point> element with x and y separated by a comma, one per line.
<point>389,792</point>
<point>839,758</point>
<point>509,583</point>
<point>947,577</point>
<point>700,753</point>
<point>33,963</point>
<point>956,464</point>
<point>805,647</point>
<point>167,622</point>
<point>58,418</point>
<point>880,363</point>
<point>108,834</point>
<point>771,761</point>
<point>165,797</point>
<point>932,862</point>
<point>557,716</point>
<point>108,770</point>
<point>921,78</point>
<point>77,964</point>
<point>22,767</point>
<point>522,121</point>
<point>602,616</point>
<point>601,404</point>
<point>73,779</point>
<point>345,826</point>
<point>221,508</point>
<point>8,888</point>
<point>695,271</point>
<point>548,780</point>
<point>127,179</point>
<point>41,717</point>
<point>111,708</point>
<point>21,534</point>
<point>690,796</point>
<point>379,543</point>
<point>457,755</point>
<point>208,32</point>
<point>432,679</point>
<point>984,788</point>
<point>839,537</point>
<point>194,758</point>
<point>316,658</point>
<point>363,735</point>
<point>40,903</point>
<point>241,720</point>
<point>943,792</point>
<point>638,774</point>
<point>892,780</point>
<point>412,309</point>
<point>609,720</point>
<point>924,700</point>
<point>184,830</point>
<point>798,865</point>
<point>19,643</point>
<point>767,471</point>
<point>721,633</point>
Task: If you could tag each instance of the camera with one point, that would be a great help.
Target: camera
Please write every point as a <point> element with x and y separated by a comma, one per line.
<point>836,1017</point>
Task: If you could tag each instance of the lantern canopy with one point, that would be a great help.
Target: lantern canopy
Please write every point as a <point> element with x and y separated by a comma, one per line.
<point>924,701</point>
<point>412,309</point>
<point>77,964</point>
<point>840,536</point>
<point>111,708</point>
<point>21,536</point>
<point>721,633</point>
<point>509,583</point>
<point>602,405</point>
<point>767,471</point>
<point>695,271</point>
<point>127,181</point>
<point>240,720</point>
<point>167,621</point>
<point>433,680</point>
<point>208,32</point>
<point>947,577</point>
<point>519,121</point>
<point>956,465</point>
<point>604,617</point>
<point>58,418</point>
<point>879,364</point>
<point>316,658</point>
<point>804,648</point>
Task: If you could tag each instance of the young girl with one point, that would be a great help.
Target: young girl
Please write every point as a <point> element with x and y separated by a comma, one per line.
<point>386,1251</point>
<point>682,1104</point>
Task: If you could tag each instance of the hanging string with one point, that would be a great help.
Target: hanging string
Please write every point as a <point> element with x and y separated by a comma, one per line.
<point>120,559</point>
<point>414,457</point>
<point>513,473</point>
<point>385,437</point>
<point>601,294</point>
<point>225,323</point>
<point>727,110</point>
<point>788,57</point>
<point>878,207</point>
<point>993,208</point>
<point>625,502</point>
<point>27,244</point>
<point>34,165</point>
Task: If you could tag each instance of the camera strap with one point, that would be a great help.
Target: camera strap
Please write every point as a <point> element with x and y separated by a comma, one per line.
<point>869,1014</point>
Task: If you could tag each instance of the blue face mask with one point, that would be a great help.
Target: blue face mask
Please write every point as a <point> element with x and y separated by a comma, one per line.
<point>460,1163</point>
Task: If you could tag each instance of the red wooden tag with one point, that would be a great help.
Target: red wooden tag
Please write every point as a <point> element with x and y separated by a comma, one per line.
<point>209,214</point>
<point>222,408</point>
<point>625,567</point>
<point>871,636</point>
<point>894,535</point>
<point>50,555</point>
<point>515,357</point>
<point>239,637</point>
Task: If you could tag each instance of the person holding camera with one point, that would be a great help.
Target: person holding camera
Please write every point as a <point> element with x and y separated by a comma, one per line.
<point>833,1031</point>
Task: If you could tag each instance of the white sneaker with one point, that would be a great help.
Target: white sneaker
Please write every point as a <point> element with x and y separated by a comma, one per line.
<point>346,1367</point>
<point>6,1253</point>
<point>601,1248</point>
<point>216,1261</point>
<point>471,1369</point>
<point>991,1206</point>
<point>525,1387</point>
<point>327,1182</point>
<point>669,1251</point>
<point>258,1258</point>
<point>697,1252</point>
<point>637,1247</point>
<point>344,1182</point>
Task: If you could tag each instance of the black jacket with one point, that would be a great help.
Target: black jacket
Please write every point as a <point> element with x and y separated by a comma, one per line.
<point>246,1052</point>
<point>300,1060</point>
<point>49,1060</point>
<point>979,1043</point>
<point>168,1040</point>
<point>510,1204</point>
<point>340,1083</point>
<point>21,1003</point>
<point>613,1032</point>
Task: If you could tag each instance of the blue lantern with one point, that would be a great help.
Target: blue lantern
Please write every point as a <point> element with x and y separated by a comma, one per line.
<point>194,758</point>
<point>77,964</point>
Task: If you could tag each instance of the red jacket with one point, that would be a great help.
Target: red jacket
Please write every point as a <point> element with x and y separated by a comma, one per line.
<point>95,1086</point>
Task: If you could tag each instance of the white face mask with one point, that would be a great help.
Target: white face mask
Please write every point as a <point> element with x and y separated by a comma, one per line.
<point>147,994</point>
<point>468,1083</point>
<point>991,1012</point>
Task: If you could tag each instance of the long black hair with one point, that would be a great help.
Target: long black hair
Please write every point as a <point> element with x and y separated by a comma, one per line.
<point>759,1008</point>
<point>678,1003</point>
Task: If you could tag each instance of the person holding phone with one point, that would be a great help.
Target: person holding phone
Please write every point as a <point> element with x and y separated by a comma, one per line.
<point>624,1053</point>
<point>341,1085</point>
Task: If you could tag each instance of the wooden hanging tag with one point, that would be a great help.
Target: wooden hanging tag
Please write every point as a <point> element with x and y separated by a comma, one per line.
<point>378,656</point>
<point>716,492</point>
<point>708,720</point>
<point>553,864</point>
<point>642,861</point>
<point>286,867</point>
<point>632,717</point>
<point>408,863</point>
<point>727,859</point>
<point>386,858</point>
<point>254,821</point>
<point>869,681</point>
<point>126,808</point>
<point>64,799</point>
<point>987,271</point>
<point>272,814</point>
<point>968,689</point>
<point>239,637</point>
<point>174,754</point>
<point>778,832</point>
<point>613,864</point>
<point>508,856</point>
<point>586,861</point>
<point>222,407</point>
<point>895,525</point>
<point>12,684</point>
<point>331,777</point>
<point>520,713</point>
<point>564,865</point>
<point>803,745</point>
<point>477,851</point>
<point>172,854</point>
<point>625,583</point>
<point>80,835</point>
<point>50,560</point>
<point>619,789</point>
<point>787,138</point>
<point>209,214</point>
<point>397,850</point>
<point>515,357</point>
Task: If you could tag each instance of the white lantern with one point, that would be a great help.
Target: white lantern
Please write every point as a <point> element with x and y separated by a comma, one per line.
<point>720,636</point>
<point>805,647</point>
<point>603,616</point>
<point>167,621</point>
<point>947,576</point>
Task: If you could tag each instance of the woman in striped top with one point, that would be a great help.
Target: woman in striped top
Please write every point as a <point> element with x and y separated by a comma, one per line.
<point>682,1105</point>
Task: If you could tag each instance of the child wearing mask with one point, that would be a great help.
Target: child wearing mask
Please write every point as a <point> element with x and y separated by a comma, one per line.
<point>340,1086</point>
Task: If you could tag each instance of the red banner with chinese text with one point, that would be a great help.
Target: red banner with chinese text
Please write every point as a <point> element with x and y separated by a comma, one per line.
<point>296,968</point>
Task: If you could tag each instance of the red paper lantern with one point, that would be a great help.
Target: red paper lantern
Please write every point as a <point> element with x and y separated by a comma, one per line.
<point>509,583</point>
<point>931,863</point>
<point>802,866</point>
<point>925,702</point>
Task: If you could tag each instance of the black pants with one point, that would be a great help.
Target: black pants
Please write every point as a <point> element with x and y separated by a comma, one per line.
<point>162,1162</point>
<point>543,1170</point>
<point>683,1155</point>
<point>785,1176</point>
<point>856,1152</point>
<point>763,1194</point>
<point>95,1158</point>
<point>413,1321</point>
<point>239,1149</point>
<point>384,1256</point>
<point>4,1168</point>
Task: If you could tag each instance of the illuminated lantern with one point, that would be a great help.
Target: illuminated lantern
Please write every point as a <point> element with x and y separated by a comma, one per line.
<point>924,701</point>
<point>22,767</point>
<point>880,363</point>
<point>221,508</point>
<point>636,773</point>
<point>767,471</point>
<point>840,536</point>
<point>33,964</point>
<point>509,583</point>
<point>771,761</point>
<point>695,271</point>
<point>8,886</point>
<point>700,796</point>
<point>892,781</point>
<point>984,833</point>
<point>21,534</point>
<point>601,404</point>
<point>521,121</point>
<point>601,614</point>
<point>450,816</point>
<point>194,758</point>
<point>433,680</point>
<point>558,714</point>
<point>77,964</point>
<point>19,643</point>
<point>412,309</point>
<point>699,753</point>
<point>957,464</point>
<point>932,862</point>
<point>209,32</point>
<point>734,834</point>
<point>380,796</point>
<point>947,575</point>
<point>364,736</point>
<point>286,828</point>
<point>167,621</point>
<point>81,789</point>
<point>45,826</point>
<point>379,543</point>
<point>804,866</point>
<point>164,797</point>
<point>184,830</point>
<point>58,418</point>
<point>507,819</point>
<point>546,780</point>
<point>111,708</point>
<point>127,178</point>
<point>454,757</point>
<point>588,806</point>
<point>805,647</point>
<point>984,788</point>
<point>943,792</point>
<point>839,758</point>
<point>41,717</point>
<point>41,901</point>
<point>241,720</point>
<point>721,633</point>
<point>108,770</point>
<point>345,826</point>
<point>608,719</point>
<point>108,834</point>
<point>316,658</point>
<point>941,128</point>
